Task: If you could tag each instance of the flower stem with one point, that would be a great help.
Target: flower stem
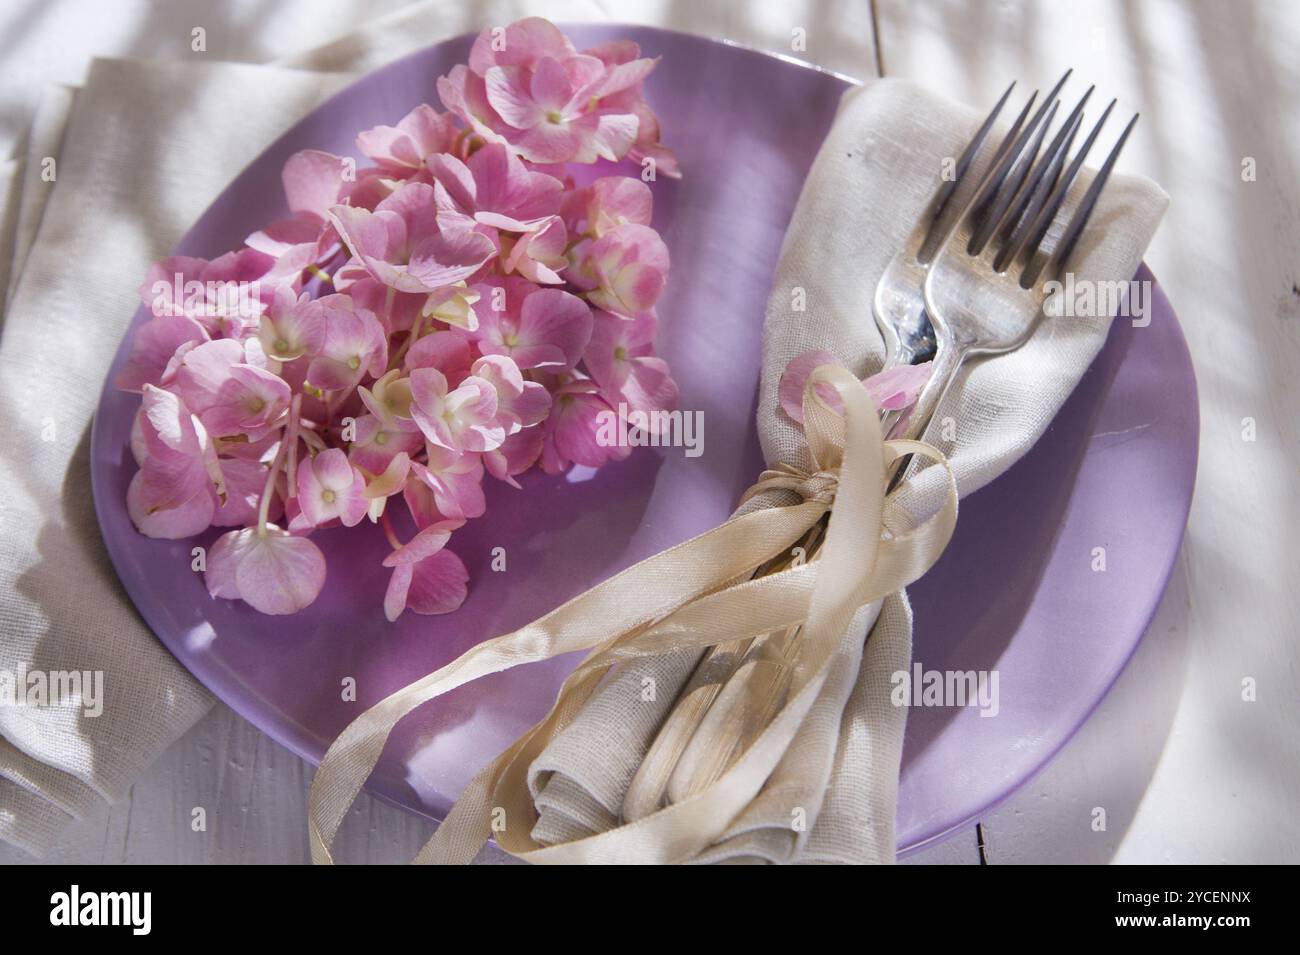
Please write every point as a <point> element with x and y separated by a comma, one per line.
<point>386,523</point>
<point>291,435</point>
<point>264,507</point>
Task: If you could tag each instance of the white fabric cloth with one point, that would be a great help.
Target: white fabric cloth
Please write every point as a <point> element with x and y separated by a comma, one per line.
<point>141,150</point>
<point>870,181</point>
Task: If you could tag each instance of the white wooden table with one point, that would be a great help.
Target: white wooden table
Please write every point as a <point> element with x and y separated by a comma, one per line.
<point>1186,770</point>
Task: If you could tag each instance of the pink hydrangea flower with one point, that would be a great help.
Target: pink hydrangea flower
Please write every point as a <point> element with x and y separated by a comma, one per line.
<point>539,255</point>
<point>548,102</point>
<point>520,403</point>
<point>448,487</point>
<point>291,327</point>
<point>400,151</point>
<point>353,345</point>
<point>174,494</point>
<point>493,188</point>
<point>621,53</point>
<point>408,327</point>
<point>572,431</point>
<point>375,444</point>
<point>427,578</point>
<point>224,296</point>
<point>269,569</point>
<point>227,385</point>
<point>624,271</point>
<point>463,418</point>
<point>537,328</point>
<point>314,181</point>
<point>402,245</point>
<point>608,202</point>
<point>330,488</point>
<point>622,361</point>
<point>894,389</point>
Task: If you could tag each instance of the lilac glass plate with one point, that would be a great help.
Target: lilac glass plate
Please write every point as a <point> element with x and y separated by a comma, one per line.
<point>1014,592</point>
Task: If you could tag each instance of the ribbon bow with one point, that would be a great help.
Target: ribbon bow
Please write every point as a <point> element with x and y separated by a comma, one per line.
<point>685,596</point>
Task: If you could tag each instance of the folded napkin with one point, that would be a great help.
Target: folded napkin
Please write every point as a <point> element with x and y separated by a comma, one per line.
<point>137,166</point>
<point>871,180</point>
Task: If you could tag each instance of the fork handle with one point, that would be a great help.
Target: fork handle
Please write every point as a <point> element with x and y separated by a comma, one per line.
<point>947,362</point>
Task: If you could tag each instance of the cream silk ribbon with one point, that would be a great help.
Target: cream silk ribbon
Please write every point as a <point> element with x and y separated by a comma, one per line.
<point>696,594</point>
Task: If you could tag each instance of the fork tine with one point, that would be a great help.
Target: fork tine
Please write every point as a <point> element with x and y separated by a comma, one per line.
<point>1054,161</point>
<point>1041,181</point>
<point>1010,137</point>
<point>1089,202</point>
<point>1012,188</point>
<point>1005,155</point>
<point>940,200</point>
<point>1055,199</point>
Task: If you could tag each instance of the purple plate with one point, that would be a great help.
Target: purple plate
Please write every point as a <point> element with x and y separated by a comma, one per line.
<point>1014,592</point>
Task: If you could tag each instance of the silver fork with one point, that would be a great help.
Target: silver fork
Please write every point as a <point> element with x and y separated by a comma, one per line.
<point>1002,226</point>
<point>679,762</point>
<point>981,292</point>
<point>899,306</point>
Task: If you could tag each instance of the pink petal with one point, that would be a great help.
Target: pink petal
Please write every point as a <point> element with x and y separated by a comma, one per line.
<point>555,143</point>
<point>519,453</point>
<point>576,431</point>
<point>190,517</point>
<point>223,560</point>
<point>440,584</point>
<point>152,347</point>
<point>312,181</point>
<point>525,42</point>
<point>424,544</point>
<point>556,320</point>
<point>278,573</point>
<point>649,386</point>
<point>333,470</point>
<point>899,387</point>
<point>795,378</point>
<point>244,480</point>
<point>447,351</point>
<point>449,257</point>
<point>510,96</point>
<point>399,585</point>
<point>549,87</point>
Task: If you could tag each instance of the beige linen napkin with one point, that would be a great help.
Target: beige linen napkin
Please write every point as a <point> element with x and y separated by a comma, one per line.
<point>136,168</point>
<point>870,181</point>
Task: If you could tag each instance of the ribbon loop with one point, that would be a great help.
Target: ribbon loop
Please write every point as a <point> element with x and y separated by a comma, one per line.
<point>693,595</point>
